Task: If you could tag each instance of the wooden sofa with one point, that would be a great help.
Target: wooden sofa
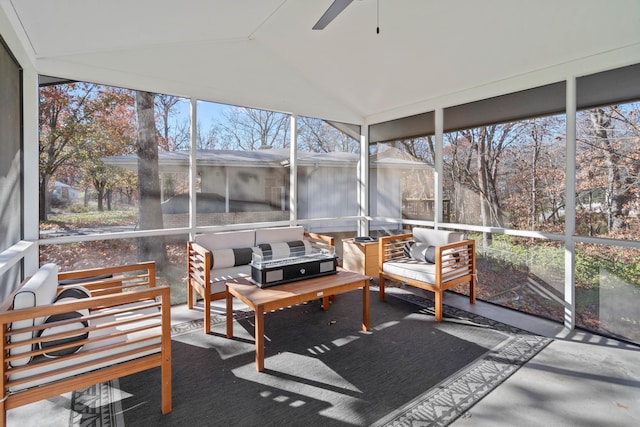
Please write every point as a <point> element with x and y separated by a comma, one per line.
<point>212,262</point>
<point>101,324</point>
<point>402,258</point>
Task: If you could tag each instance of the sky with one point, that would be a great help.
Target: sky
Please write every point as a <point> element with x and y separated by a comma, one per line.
<point>207,111</point>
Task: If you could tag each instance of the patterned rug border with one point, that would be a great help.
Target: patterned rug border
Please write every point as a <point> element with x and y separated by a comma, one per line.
<point>98,405</point>
<point>453,397</point>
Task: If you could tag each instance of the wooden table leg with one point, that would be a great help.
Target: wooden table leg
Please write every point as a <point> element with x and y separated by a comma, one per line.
<point>229,314</point>
<point>259,317</point>
<point>365,306</point>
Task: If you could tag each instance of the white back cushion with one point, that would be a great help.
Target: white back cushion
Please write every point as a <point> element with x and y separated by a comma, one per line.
<point>39,290</point>
<point>279,234</point>
<point>227,240</point>
<point>436,237</point>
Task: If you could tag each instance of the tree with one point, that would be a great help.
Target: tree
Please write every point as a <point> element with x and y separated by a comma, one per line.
<point>318,136</point>
<point>62,130</point>
<point>534,168</point>
<point>111,132</point>
<point>609,162</point>
<point>250,129</point>
<point>171,139</point>
<point>149,248</point>
<point>208,140</point>
<point>473,160</point>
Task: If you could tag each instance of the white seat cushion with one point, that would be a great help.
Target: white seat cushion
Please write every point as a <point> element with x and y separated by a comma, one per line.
<point>420,271</point>
<point>411,269</point>
<point>219,277</point>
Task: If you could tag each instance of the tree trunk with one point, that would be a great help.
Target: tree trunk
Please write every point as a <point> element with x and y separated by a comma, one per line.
<point>614,194</point>
<point>482,184</point>
<point>43,208</point>
<point>100,192</point>
<point>149,248</point>
<point>537,141</point>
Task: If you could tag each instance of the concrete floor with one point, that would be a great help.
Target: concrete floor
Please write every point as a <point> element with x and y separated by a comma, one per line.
<point>580,379</point>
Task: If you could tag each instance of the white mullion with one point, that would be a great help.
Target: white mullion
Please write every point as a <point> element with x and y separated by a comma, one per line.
<point>193,171</point>
<point>570,208</point>
<point>438,172</point>
<point>293,170</point>
<point>363,182</point>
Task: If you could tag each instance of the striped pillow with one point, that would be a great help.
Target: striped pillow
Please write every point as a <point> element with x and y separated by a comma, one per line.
<point>225,258</point>
<point>51,331</point>
<point>67,294</point>
<point>279,250</point>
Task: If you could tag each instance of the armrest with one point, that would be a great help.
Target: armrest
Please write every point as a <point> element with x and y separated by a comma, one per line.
<point>320,238</point>
<point>91,303</point>
<point>200,263</point>
<point>198,249</point>
<point>108,280</point>
<point>392,247</point>
<point>455,260</point>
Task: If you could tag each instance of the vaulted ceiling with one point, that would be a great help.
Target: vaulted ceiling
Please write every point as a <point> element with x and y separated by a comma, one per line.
<point>264,53</point>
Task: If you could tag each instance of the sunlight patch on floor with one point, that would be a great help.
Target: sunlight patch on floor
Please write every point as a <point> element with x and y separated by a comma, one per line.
<point>295,376</point>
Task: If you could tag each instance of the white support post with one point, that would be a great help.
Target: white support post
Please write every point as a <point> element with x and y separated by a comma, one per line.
<point>193,171</point>
<point>363,181</point>
<point>438,172</point>
<point>570,209</point>
<point>227,190</point>
<point>31,225</point>
<point>293,170</point>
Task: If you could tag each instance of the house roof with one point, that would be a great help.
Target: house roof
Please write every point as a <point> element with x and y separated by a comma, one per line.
<point>174,161</point>
<point>264,53</point>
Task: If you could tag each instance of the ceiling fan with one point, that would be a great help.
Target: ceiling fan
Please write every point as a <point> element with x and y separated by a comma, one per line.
<point>330,14</point>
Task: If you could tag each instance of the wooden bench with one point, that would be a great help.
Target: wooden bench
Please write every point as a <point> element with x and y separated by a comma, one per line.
<point>103,324</point>
<point>402,258</point>
<point>207,278</point>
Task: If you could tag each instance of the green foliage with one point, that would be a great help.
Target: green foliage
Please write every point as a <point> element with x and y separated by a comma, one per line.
<point>586,271</point>
<point>521,254</point>
<point>589,267</point>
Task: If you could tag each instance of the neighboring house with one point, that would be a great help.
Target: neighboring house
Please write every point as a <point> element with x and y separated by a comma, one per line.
<point>233,180</point>
<point>62,191</point>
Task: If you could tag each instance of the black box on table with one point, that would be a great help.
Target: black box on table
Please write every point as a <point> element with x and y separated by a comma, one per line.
<point>266,273</point>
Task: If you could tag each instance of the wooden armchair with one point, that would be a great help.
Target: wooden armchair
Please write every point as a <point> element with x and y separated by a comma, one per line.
<point>454,262</point>
<point>105,323</point>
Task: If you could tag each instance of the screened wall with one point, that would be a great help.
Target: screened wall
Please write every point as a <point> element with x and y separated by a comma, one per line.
<point>11,164</point>
<point>545,180</point>
<point>508,180</point>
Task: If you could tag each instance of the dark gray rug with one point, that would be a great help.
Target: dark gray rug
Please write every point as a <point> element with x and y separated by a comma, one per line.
<point>322,370</point>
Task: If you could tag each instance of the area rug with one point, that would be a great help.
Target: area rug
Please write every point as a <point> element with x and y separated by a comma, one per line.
<point>321,369</point>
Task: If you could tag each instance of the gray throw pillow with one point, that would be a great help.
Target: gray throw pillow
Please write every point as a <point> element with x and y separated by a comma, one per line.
<point>420,252</point>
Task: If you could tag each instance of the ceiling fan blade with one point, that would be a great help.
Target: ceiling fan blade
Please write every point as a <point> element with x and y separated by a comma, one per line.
<point>334,10</point>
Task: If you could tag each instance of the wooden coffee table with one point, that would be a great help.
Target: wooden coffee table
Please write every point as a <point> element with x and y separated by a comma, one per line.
<point>261,300</point>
